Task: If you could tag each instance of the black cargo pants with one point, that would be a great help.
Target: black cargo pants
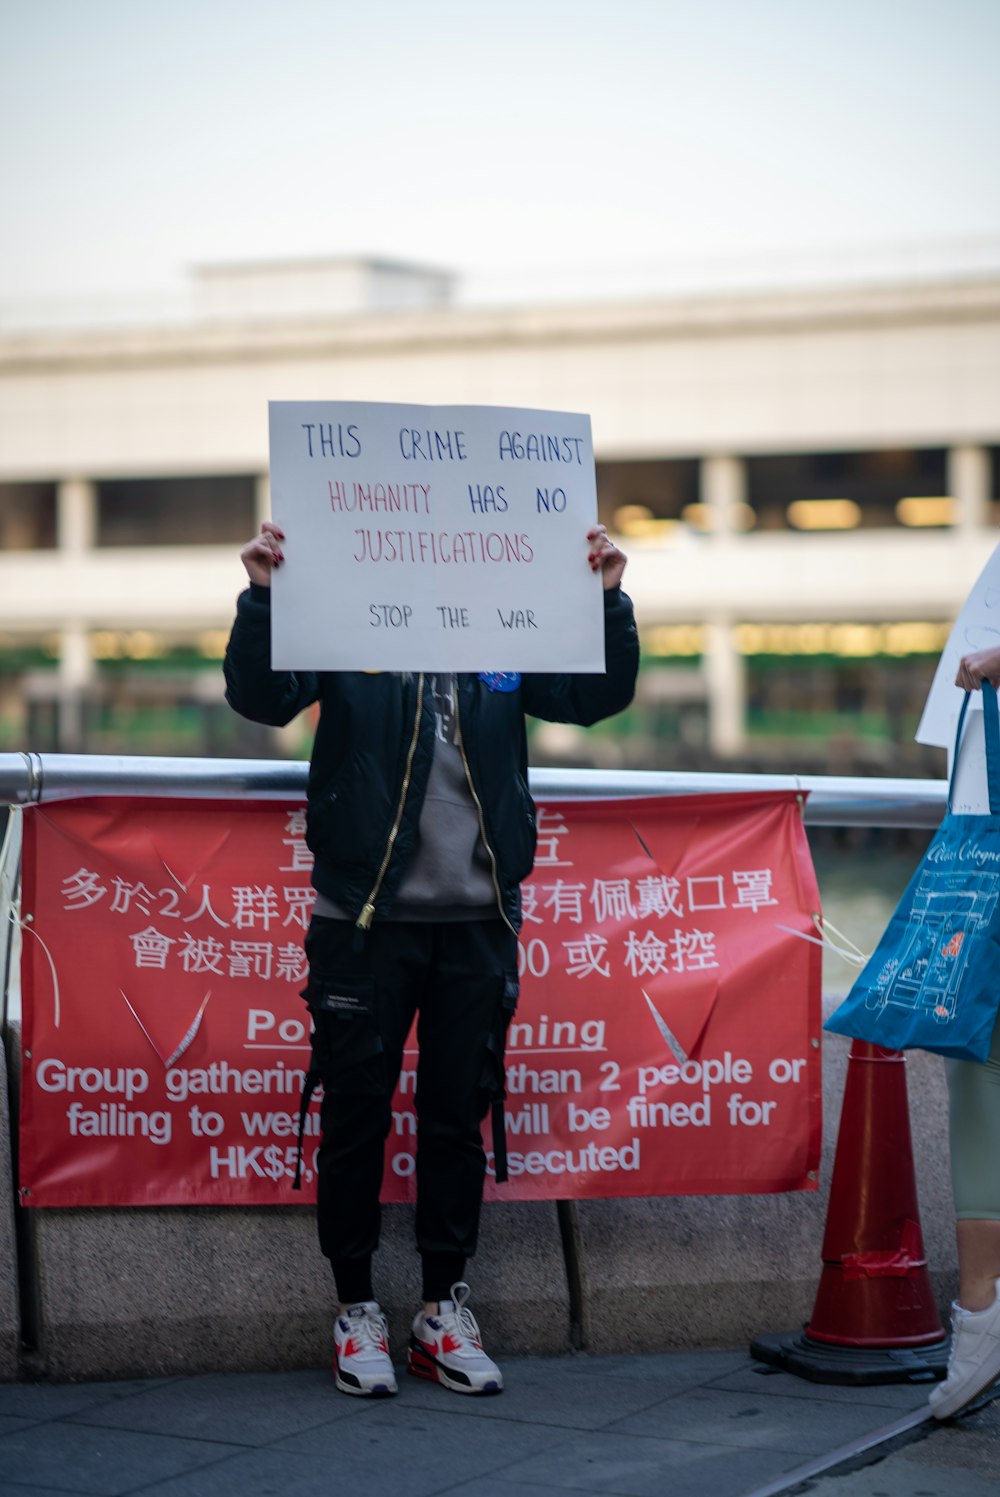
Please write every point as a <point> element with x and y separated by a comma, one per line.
<point>460,979</point>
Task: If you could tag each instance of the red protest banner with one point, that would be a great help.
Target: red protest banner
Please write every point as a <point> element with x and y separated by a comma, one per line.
<point>666,1041</point>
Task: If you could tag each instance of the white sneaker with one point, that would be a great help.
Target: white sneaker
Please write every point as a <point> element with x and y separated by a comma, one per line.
<point>447,1348</point>
<point>974,1361</point>
<point>361,1361</point>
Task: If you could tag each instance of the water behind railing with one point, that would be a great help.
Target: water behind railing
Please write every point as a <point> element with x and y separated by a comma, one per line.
<point>861,880</point>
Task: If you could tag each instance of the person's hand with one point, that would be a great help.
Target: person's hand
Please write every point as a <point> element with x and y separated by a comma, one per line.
<point>980,666</point>
<point>605,557</point>
<point>261,555</point>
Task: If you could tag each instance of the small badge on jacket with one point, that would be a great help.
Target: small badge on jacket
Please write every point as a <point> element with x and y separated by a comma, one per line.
<point>501,680</point>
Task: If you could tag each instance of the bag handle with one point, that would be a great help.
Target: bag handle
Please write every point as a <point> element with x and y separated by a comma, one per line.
<point>991,723</point>
<point>991,728</point>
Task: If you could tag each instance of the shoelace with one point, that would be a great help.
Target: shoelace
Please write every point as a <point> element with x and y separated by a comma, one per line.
<point>369,1329</point>
<point>464,1321</point>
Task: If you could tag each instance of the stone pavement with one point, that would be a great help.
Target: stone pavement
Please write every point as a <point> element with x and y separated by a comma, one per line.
<point>711,1423</point>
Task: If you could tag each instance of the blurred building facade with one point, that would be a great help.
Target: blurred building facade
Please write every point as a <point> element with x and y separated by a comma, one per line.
<point>807,483</point>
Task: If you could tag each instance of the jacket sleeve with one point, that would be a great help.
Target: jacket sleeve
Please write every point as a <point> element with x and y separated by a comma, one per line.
<point>586,699</point>
<point>253,689</point>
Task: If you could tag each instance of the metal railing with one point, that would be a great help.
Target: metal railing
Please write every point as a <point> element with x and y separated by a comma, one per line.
<point>833,800</point>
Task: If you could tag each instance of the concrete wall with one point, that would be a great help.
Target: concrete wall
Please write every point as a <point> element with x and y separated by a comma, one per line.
<point>828,369</point>
<point>149,1292</point>
<point>772,577</point>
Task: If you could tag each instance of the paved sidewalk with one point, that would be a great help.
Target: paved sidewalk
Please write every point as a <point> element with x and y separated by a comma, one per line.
<point>690,1424</point>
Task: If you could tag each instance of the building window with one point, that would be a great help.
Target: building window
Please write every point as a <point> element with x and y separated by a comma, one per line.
<point>905,488</point>
<point>175,511</point>
<point>27,516</point>
<point>648,498</point>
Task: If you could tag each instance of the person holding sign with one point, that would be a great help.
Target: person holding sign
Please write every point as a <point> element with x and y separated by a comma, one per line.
<point>974,1140</point>
<point>422,828</point>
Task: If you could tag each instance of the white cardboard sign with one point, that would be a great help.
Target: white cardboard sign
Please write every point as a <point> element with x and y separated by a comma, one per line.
<point>448,538</point>
<point>976,628</point>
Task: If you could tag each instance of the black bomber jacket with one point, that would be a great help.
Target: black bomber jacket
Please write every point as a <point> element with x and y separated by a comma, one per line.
<point>373,746</point>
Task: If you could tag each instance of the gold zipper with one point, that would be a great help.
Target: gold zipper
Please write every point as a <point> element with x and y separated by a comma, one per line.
<point>367,915</point>
<point>479,811</point>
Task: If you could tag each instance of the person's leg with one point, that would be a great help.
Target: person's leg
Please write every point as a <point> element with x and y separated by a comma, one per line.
<point>974,1134</point>
<point>461,1031</point>
<point>462,1027</point>
<point>978,1263</point>
<point>974,1131</point>
<point>362,1006</point>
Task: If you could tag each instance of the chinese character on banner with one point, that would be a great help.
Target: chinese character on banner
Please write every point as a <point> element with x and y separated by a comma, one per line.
<point>665,1040</point>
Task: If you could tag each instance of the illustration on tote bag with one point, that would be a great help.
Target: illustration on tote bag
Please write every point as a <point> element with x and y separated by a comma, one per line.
<point>931,983</point>
<point>927,970</point>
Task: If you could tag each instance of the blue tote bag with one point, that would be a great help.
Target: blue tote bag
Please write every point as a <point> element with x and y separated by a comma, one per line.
<point>933,982</point>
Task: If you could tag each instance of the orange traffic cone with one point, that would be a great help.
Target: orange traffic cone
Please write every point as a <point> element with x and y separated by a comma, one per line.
<point>874,1320</point>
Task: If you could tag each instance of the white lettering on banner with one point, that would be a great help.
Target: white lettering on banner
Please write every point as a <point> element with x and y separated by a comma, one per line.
<point>220,1079</point>
<point>239,959</point>
<point>550,827</point>
<point>645,1114</point>
<point>523,1078</point>
<point>781,1070</point>
<point>724,1070</point>
<point>151,947</point>
<point>202,954</point>
<point>737,1089</point>
<point>565,899</point>
<point>753,889</point>
<point>579,1119</point>
<point>555,1034</point>
<point>127,894</point>
<point>114,1120</point>
<point>586,956</point>
<point>237,1162</point>
<point>250,959</point>
<point>646,954</point>
<point>205,908</point>
<point>592,1158</point>
<point>706,893</point>
<point>749,1113</point>
<point>55,1076</point>
<point>82,889</point>
<point>533,957</point>
<point>300,903</point>
<point>533,1117</point>
<point>262,1021</point>
<point>612,899</point>
<point>253,905</point>
<point>654,895</point>
<point>694,950</point>
<point>658,894</point>
<point>302,858</point>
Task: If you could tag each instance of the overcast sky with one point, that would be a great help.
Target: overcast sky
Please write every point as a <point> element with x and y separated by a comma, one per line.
<point>533,137</point>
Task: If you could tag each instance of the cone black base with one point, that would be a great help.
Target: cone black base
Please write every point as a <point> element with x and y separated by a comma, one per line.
<point>851,1365</point>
